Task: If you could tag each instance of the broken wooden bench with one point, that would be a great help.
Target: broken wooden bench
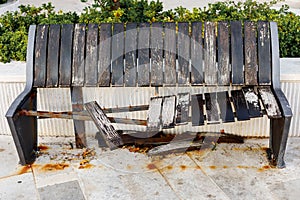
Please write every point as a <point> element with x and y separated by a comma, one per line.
<point>235,64</point>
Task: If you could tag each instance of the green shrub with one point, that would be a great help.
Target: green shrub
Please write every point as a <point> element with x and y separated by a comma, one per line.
<point>3,1</point>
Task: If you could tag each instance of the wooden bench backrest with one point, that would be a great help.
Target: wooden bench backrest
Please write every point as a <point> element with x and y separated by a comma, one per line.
<point>157,54</point>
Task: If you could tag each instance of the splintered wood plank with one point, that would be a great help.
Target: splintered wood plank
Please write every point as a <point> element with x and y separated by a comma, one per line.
<point>91,58</point>
<point>269,102</point>
<point>156,54</point>
<point>168,111</point>
<point>104,65</point>
<point>223,54</point>
<point>65,57</point>
<point>264,53</point>
<point>240,105</point>
<point>196,54</point>
<point>78,55</point>
<point>109,133</point>
<point>131,55</point>
<point>154,113</point>
<point>226,112</point>
<point>183,47</point>
<point>40,61</point>
<point>250,53</point>
<point>117,55</point>
<point>237,59</point>
<point>52,57</point>
<point>143,54</point>
<point>170,53</point>
<point>252,102</point>
<point>210,51</point>
<point>211,105</point>
<point>182,108</point>
<point>197,110</point>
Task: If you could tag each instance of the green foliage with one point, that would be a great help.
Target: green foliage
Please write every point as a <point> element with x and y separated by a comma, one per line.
<point>3,1</point>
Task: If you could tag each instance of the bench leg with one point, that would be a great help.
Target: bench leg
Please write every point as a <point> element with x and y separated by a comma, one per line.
<point>279,131</point>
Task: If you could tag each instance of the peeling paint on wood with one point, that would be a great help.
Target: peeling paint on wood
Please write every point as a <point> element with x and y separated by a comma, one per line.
<point>269,102</point>
<point>168,111</point>
<point>154,113</point>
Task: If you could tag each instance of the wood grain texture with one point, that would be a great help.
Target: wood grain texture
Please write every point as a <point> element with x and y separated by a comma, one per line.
<point>183,48</point>
<point>91,58</point>
<point>212,111</point>
<point>240,105</point>
<point>154,114</point>
<point>182,108</point>
<point>144,54</point>
<point>210,53</point>
<point>197,110</point>
<point>269,102</point>
<point>226,112</point>
<point>117,52</point>
<point>196,54</point>
<point>252,102</point>
<point>223,54</point>
<point>168,111</point>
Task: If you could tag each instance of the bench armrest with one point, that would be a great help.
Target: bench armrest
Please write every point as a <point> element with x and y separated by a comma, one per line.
<point>283,103</point>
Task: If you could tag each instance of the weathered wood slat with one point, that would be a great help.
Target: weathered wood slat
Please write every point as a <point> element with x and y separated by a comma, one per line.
<point>52,57</point>
<point>252,102</point>
<point>170,54</point>
<point>240,105</point>
<point>250,49</point>
<point>143,54</point>
<point>182,108</point>
<point>264,53</point>
<point>211,105</point>
<point>226,113</point>
<point>131,55</point>
<point>65,57</point>
<point>237,58</point>
<point>117,55</point>
<point>91,58</point>
<point>40,60</point>
<point>197,110</point>
<point>183,47</point>
<point>223,54</point>
<point>79,51</point>
<point>168,111</point>
<point>196,54</point>
<point>210,53</point>
<point>156,45</point>
<point>269,102</point>
<point>154,113</point>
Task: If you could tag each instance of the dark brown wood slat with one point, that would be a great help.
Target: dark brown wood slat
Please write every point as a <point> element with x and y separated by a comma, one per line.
<point>144,54</point>
<point>40,61</point>
<point>264,53</point>
<point>117,55</point>
<point>269,102</point>
<point>210,51</point>
<point>52,57</point>
<point>168,111</point>
<point>156,44</point>
<point>240,105</point>
<point>226,112</point>
<point>183,47</point>
<point>65,58</point>
<point>211,105</point>
<point>197,110</point>
<point>154,113</point>
<point>104,65</point>
<point>131,55</point>
<point>182,108</point>
<point>250,53</point>
<point>91,58</point>
<point>196,54</point>
<point>223,54</point>
<point>78,58</point>
<point>170,54</point>
<point>237,58</point>
<point>252,102</point>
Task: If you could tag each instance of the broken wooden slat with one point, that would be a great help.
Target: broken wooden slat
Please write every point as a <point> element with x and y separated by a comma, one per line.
<point>170,54</point>
<point>117,55</point>
<point>210,52</point>
<point>240,105</point>
<point>168,111</point>
<point>131,55</point>
<point>111,136</point>
<point>156,54</point>
<point>226,112</point>
<point>183,47</point>
<point>197,110</point>
<point>269,102</point>
<point>250,53</point>
<point>252,102</point>
<point>196,54</point>
<point>104,55</point>
<point>211,105</point>
<point>52,57</point>
<point>91,61</point>
<point>237,59</point>
<point>154,113</point>
<point>223,54</point>
<point>143,54</point>
<point>182,108</point>
<point>65,61</point>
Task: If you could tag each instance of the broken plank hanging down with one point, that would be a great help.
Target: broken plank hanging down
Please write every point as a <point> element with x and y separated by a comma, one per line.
<point>154,113</point>
<point>182,108</point>
<point>211,104</point>
<point>269,102</point>
<point>240,105</point>
<point>197,110</point>
<point>168,111</point>
<point>252,102</point>
<point>225,107</point>
<point>111,136</point>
